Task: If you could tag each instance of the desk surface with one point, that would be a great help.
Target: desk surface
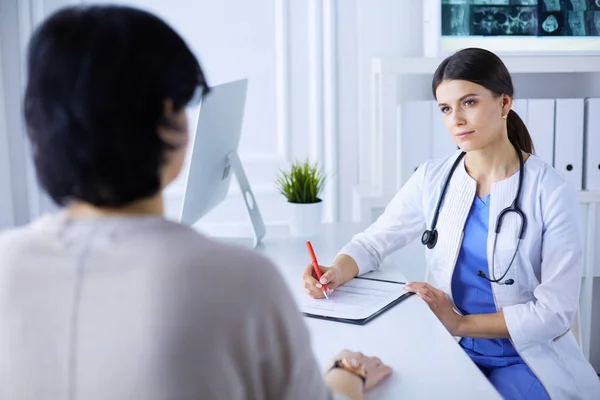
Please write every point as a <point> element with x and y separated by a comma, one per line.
<point>427,361</point>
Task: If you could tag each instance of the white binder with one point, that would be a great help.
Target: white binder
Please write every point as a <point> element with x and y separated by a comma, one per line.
<point>540,123</point>
<point>414,138</point>
<point>568,158</point>
<point>442,143</point>
<point>591,171</point>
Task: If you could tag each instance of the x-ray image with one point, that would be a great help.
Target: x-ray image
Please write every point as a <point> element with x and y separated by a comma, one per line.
<point>550,5</point>
<point>490,2</point>
<point>591,5</point>
<point>504,21</point>
<point>593,23</point>
<point>577,5</point>
<point>568,5</point>
<point>575,23</point>
<point>524,2</point>
<point>455,20</point>
<point>571,23</point>
<point>552,24</point>
<point>520,17</point>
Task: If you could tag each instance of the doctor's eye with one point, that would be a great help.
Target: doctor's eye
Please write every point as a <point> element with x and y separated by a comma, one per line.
<point>470,102</point>
<point>444,110</point>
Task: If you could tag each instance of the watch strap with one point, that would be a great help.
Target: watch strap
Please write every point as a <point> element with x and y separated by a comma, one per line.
<point>356,371</point>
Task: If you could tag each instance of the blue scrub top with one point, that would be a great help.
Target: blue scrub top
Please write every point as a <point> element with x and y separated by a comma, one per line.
<point>471,293</point>
<point>496,358</point>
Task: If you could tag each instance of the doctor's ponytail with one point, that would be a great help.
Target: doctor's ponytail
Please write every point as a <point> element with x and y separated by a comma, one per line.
<point>518,133</point>
<point>484,68</point>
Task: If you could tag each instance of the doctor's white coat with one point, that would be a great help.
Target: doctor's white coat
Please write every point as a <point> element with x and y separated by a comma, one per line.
<point>540,306</point>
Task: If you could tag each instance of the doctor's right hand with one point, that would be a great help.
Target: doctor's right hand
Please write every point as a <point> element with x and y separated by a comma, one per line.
<point>330,277</point>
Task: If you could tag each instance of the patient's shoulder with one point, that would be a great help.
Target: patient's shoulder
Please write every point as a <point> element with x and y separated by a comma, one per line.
<point>225,270</point>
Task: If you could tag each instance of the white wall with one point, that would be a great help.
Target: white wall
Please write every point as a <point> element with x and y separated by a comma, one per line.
<point>20,196</point>
<point>16,180</point>
<point>308,65</point>
<point>260,41</point>
<point>386,28</point>
<point>7,218</point>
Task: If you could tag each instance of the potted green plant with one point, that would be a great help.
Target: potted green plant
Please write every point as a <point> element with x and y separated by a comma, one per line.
<point>302,185</point>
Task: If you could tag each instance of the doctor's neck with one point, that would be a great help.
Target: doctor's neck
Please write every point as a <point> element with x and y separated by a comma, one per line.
<point>494,162</point>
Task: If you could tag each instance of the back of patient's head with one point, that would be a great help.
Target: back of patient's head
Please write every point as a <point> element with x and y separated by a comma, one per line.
<point>98,80</point>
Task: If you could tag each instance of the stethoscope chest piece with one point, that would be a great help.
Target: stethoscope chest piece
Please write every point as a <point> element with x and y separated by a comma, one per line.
<point>429,238</point>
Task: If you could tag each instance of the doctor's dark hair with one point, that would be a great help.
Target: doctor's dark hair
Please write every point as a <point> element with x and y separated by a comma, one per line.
<point>98,79</point>
<point>486,69</point>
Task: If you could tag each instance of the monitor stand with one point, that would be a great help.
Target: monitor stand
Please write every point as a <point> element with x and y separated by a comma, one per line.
<point>234,164</point>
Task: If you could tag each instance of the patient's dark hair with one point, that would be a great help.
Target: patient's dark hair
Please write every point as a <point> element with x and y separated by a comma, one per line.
<point>485,68</point>
<point>98,79</point>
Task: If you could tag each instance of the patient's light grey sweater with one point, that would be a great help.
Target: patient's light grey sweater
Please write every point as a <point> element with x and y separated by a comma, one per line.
<point>144,308</point>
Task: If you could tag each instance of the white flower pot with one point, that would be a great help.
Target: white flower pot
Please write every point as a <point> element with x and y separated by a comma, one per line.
<point>306,219</point>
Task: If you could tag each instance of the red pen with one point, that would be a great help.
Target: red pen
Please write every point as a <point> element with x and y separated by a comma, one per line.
<point>315,265</point>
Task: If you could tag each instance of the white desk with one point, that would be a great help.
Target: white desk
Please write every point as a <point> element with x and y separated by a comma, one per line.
<point>427,361</point>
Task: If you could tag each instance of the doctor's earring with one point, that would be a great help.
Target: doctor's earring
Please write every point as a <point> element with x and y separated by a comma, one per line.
<point>504,117</point>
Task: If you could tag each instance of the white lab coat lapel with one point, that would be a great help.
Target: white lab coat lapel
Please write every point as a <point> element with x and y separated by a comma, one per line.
<point>453,215</point>
<point>502,195</point>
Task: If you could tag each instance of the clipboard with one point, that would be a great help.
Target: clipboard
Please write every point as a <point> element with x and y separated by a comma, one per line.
<point>371,316</point>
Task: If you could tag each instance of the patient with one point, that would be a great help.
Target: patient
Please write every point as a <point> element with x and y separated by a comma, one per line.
<point>106,299</point>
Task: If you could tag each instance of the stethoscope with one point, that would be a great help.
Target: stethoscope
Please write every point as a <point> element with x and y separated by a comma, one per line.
<point>430,236</point>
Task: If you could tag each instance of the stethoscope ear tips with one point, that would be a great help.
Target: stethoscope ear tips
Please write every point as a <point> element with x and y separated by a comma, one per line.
<point>429,238</point>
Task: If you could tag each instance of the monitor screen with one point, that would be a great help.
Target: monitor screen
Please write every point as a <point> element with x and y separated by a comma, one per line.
<point>217,136</point>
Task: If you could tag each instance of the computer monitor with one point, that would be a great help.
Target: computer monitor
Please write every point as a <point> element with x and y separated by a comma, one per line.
<point>214,157</point>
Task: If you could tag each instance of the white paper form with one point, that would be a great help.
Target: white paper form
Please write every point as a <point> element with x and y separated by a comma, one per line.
<point>357,299</point>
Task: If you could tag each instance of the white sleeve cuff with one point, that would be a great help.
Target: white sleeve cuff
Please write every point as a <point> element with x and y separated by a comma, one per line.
<point>514,325</point>
<point>361,256</point>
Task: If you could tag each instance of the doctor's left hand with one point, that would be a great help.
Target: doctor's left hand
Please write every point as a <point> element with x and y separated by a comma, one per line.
<point>438,303</point>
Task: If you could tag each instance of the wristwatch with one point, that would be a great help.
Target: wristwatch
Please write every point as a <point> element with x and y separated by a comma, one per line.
<point>353,366</point>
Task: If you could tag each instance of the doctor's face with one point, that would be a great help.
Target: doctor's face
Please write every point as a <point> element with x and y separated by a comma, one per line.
<point>472,114</point>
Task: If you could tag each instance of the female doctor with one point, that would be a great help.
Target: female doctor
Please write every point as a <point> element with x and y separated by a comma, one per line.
<point>502,240</point>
